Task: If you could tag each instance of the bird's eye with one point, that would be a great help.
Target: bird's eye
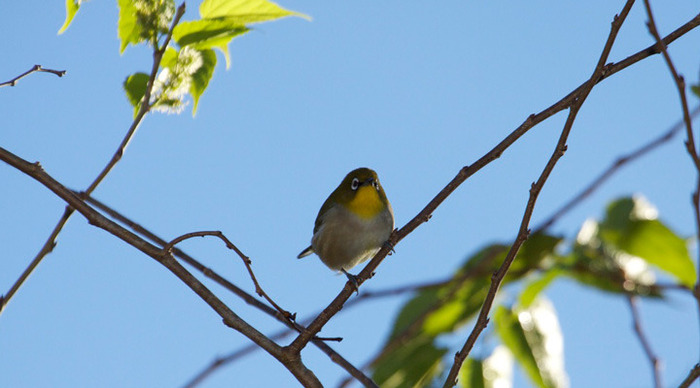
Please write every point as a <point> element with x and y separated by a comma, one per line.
<point>375,183</point>
<point>355,184</point>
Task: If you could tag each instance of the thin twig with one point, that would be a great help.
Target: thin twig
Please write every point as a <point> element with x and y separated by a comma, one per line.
<point>208,272</point>
<point>637,325</point>
<point>293,364</point>
<point>50,243</point>
<point>620,162</point>
<point>246,261</point>
<point>690,142</point>
<point>34,69</point>
<point>692,376</point>
<point>467,171</point>
<point>536,188</point>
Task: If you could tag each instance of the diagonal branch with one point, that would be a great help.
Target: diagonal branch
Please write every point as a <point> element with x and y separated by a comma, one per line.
<point>692,376</point>
<point>246,261</point>
<point>620,162</point>
<point>292,363</point>
<point>467,171</point>
<point>318,342</point>
<point>637,325</point>
<point>143,110</point>
<point>536,188</point>
<point>690,142</point>
<point>34,69</point>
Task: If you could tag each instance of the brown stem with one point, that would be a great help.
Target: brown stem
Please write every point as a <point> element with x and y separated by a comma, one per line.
<point>467,171</point>
<point>34,69</point>
<point>536,188</point>
<point>291,362</point>
<point>637,326</point>
<point>208,272</point>
<point>145,107</point>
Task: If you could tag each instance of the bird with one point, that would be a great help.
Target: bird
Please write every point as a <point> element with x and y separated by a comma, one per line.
<point>353,224</point>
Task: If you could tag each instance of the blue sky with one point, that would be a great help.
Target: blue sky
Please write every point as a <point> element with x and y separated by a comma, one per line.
<point>415,90</point>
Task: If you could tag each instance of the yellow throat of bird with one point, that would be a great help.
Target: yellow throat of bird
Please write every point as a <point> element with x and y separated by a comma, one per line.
<point>366,203</point>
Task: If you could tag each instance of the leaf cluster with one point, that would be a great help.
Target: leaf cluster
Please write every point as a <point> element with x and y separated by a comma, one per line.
<point>188,61</point>
<point>616,255</point>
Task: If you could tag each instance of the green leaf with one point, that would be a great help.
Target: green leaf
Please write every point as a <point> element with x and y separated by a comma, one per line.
<point>169,58</point>
<point>534,288</point>
<point>209,33</point>
<point>534,337</point>
<point>493,372</point>
<point>244,11</point>
<point>413,364</point>
<point>512,335</point>
<point>129,30</point>
<point>201,77</point>
<point>695,89</point>
<point>135,87</point>
<point>72,7</point>
<point>471,375</point>
<point>631,226</point>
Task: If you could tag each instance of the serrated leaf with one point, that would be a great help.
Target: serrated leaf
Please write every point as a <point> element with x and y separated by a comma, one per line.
<point>129,30</point>
<point>534,337</point>
<point>631,227</point>
<point>135,88</point>
<point>201,77</point>
<point>414,364</point>
<point>245,11</point>
<point>72,7</point>
<point>209,33</point>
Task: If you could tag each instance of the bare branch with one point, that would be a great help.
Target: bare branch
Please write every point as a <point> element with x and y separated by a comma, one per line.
<point>292,363</point>
<point>246,261</point>
<point>144,109</point>
<point>467,171</point>
<point>536,188</point>
<point>317,341</point>
<point>692,376</point>
<point>637,325</point>
<point>620,162</point>
<point>690,142</point>
<point>34,69</point>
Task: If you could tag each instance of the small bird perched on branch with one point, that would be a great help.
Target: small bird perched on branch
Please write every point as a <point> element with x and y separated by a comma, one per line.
<point>353,223</point>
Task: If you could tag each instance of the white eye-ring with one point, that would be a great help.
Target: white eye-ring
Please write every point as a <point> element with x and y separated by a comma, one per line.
<point>375,183</point>
<point>355,184</point>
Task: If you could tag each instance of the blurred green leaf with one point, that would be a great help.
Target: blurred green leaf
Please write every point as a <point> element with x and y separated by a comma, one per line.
<point>532,253</point>
<point>169,58</point>
<point>631,226</point>
<point>534,337</point>
<point>472,374</point>
<point>201,77</point>
<point>245,11</point>
<point>512,335</point>
<point>72,7</point>
<point>493,372</point>
<point>695,89</point>
<point>135,88</point>
<point>209,33</point>
<point>533,289</point>
<point>413,365</point>
<point>129,30</point>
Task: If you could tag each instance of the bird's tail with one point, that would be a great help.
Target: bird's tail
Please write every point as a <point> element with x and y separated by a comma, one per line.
<point>306,252</point>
